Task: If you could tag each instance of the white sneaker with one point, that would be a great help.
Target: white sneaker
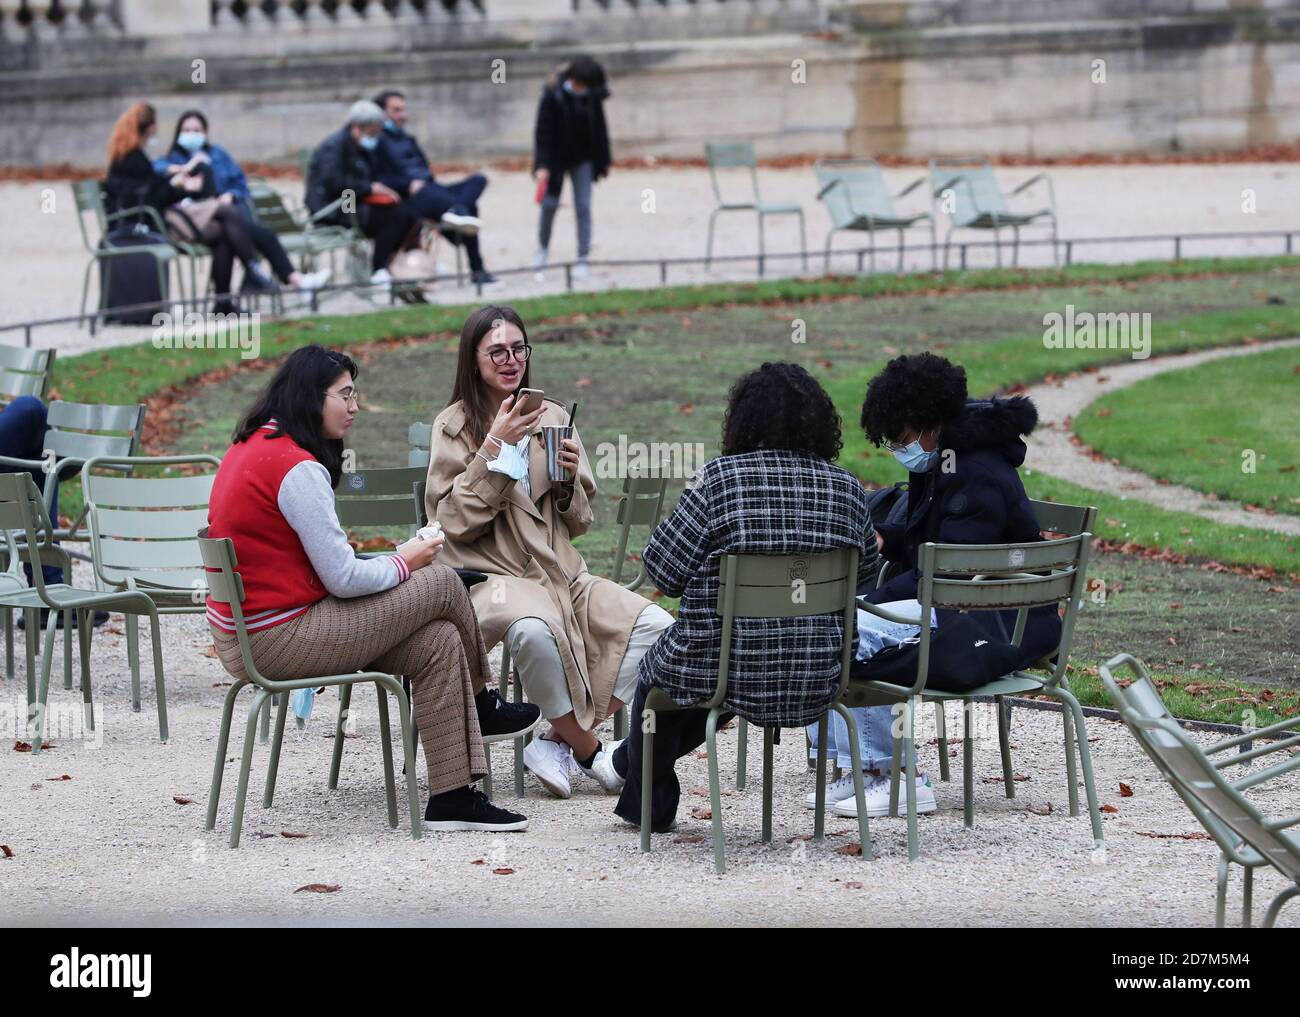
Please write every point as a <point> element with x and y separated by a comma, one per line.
<point>602,769</point>
<point>382,280</point>
<point>460,223</point>
<point>581,270</point>
<point>313,280</point>
<point>539,258</point>
<point>878,799</point>
<point>838,790</point>
<point>549,763</point>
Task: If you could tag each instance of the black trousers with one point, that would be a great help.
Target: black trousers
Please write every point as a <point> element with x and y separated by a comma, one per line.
<point>388,226</point>
<point>677,733</point>
<point>229,234</point>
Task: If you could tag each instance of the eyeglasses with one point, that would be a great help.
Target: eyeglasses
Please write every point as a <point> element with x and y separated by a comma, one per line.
<point>899,446</point>
<point>501,354</point>
<point>352,399</point>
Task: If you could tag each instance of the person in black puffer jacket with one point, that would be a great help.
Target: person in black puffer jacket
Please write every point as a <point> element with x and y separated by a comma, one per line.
<point>571,137</point>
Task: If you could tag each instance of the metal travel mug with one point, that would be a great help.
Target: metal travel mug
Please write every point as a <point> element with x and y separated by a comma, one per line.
<point>553,434</point>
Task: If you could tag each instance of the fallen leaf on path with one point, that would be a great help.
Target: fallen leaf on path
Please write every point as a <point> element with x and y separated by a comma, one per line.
<point>503,872</point>
<point>702,812</point>
<point>319,888</point>
<point>1124,790</point>
<point>64,777</point>
<point>849,849</point>
<point>182,800</point>
<point>689,838</point>
<point>1174,836</point>
<point>292,834</point>
<point>1040,810</point>
<point>1109,808</point>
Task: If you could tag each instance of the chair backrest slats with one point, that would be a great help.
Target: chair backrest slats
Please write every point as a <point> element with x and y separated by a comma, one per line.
<point>994,558</point>
<point>859,190</point>
<point>148,554</point>
<point>1070,520</point>
<point>785,586</point>
<point>79,445</point>
<point>1001,594</point>
<point>177,524</point>
<point>733,156</point>
<point>975,189</point>
<point>24,372</point>
<point>150,492</point>
<point>384,497</point>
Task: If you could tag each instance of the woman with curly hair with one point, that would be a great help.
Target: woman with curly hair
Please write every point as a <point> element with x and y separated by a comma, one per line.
<point>962,457</point>
<point>774,490</point>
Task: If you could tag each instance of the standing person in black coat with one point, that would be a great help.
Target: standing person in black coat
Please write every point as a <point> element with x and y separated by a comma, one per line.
<point>571,137</point>
<point>344,166</point>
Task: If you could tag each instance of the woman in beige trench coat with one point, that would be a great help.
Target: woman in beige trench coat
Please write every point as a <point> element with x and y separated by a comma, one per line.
<point>577,639</point>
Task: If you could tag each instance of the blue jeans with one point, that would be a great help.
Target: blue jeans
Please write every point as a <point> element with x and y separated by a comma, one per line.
<point>875,739</point>
<point>22,436</point>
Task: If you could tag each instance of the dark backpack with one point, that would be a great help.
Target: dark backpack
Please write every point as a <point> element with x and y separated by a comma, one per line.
<point>888,505</point>
<point>963,656</point>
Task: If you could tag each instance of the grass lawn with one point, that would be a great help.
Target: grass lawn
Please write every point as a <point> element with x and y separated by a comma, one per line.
<point>655,366</point>
<point>1194,426</point>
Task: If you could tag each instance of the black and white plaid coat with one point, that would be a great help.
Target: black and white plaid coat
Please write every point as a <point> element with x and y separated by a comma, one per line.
<point>784,671</point>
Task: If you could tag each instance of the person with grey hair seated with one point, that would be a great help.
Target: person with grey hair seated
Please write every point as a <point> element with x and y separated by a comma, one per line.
<point>344,164</point>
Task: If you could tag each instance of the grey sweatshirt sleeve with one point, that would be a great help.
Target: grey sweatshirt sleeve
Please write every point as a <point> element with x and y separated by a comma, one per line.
<point>307,502</point>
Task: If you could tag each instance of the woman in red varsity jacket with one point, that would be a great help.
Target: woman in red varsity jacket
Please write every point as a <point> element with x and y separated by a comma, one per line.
<point>313,607</point>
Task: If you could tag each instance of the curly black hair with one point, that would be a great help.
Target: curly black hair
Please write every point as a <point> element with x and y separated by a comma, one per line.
<point>920,391</point>
<point>780,406</point>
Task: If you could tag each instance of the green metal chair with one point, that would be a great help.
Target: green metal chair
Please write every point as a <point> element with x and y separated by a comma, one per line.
<point>1244,834</point>
<point>226,586</point>
<point>858,199</point>
<point>24,372</point>
<point>142,535</point>
<point>299,232</point>
<point>740,155</point>
<point>419,435</point>
<point>987,577</point>
<point>970,193</point>
<point>760,586</point>
<point>89,198</point>
<point>23,512</point>
<point>359,246</point>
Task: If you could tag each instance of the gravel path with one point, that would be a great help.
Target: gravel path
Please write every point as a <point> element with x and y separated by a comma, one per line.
<point>1063,400</point>
<point>111,845</point>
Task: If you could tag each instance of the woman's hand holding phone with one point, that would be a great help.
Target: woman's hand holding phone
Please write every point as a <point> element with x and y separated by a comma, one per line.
<point>514,420</point>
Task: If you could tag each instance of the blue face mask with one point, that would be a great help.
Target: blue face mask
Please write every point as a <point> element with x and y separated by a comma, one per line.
<point>568,87</point>
<point>369,143</point>
<point>390,126</point>
<point>191,141</point>
<point>915,459</point>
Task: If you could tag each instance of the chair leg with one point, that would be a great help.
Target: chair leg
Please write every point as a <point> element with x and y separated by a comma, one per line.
<point>273,767</point>
<point>708,247</point>
<point>826,265</point>
<point>241,790</point>
<point>219,763</point>
<point>1247,887</point>
<point>404,716</point>
<point>30,637</point>
<point>620,724</point>
<point>871,251</point>
<point>803,243</point>
<point>84,631</point>
<point>895,771</point>
<point>1270,916</point>
<point>1221,892</point>
<point>1071,767</point>
<point>43,695</point>
<point>947,246</point>
<point>767,785</point>
<point>517,696</point>
<point>941,726</point>
<point>1004,743</point>
<point>68,615</point>
<point>819,802</point>
<point>647,775</point>
<point>1015,246</point>
<point>9,644</point>
<point>742,753</point>
<point>859,785</point>
<point>967,765</point>
<point>133,658</point>
<point>1085,757</point>
<point>715,791</point>
<point>762,247</point>
<point>265,735</point>
<point>159,682</point>
<point>902,246</point>
<point>386,746</point>
<point>909,747</point>
<point>487,777</point>
<point>336,758</point>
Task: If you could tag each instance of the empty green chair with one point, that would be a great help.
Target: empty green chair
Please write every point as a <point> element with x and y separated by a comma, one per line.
<point>858,199</point>
<point>1243,833</point>
<point>740,156</point>
<point>89,199</point>
<point>24,372</point>
<point>759,586</point>
<point>142,534</point>
<point>226,586</point>
<point>987,577</point>
<point>22,512</point>
<point>968,192</point>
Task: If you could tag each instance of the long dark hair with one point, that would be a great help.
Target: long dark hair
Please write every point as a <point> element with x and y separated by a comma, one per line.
<point>293,399</point>
<point>781,406</point>
<point>469,389</point>
<point>198,115</point>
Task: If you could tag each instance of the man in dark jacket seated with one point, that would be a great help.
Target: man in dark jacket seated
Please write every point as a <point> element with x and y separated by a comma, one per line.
<point>343,166</point>
<point>962,458</point>
<point>403,166</point>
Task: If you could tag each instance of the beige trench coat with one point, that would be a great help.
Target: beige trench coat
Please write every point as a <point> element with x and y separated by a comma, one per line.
<point>526,547</point>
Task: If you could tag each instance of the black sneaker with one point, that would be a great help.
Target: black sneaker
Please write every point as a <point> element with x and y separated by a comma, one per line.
<point>483,278</point>
<point>499,720</point>
<point>468,808</point>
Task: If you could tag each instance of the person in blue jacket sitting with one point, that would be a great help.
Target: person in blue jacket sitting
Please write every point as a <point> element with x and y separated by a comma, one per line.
<point>403,166</point>
<point>191,141</point>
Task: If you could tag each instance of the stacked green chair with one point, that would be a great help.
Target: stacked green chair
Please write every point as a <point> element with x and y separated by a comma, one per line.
<point>759,586</point>
<point>987,577</point>
<point>23,514</point>
<point>226,587</point>
<point>1244,834</point>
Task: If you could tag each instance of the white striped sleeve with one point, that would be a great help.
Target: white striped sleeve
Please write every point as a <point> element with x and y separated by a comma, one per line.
<point>307,502</point>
